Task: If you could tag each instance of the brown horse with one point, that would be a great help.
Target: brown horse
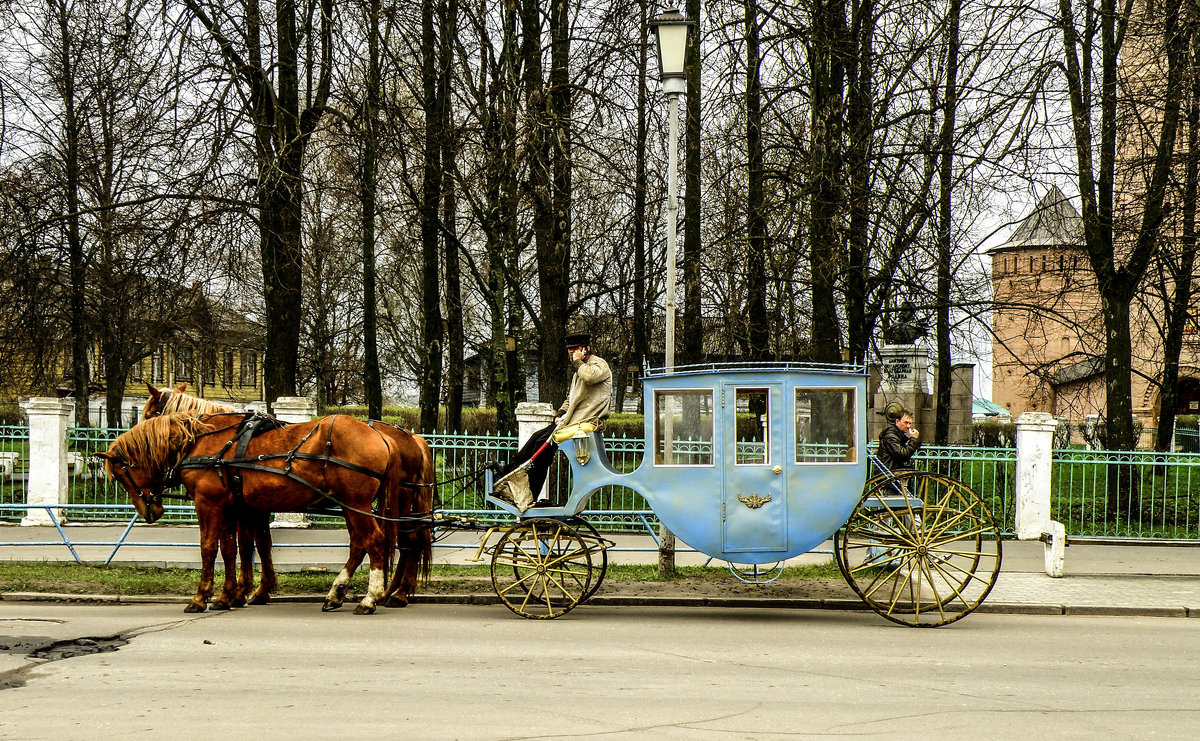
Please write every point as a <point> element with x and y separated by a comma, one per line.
<point>334,459</point>
<point>253,526</point>
<point>416,462</point>
<point>164,401</point>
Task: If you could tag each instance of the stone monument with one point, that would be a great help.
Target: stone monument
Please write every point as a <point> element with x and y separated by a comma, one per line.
<point>904,372</point>
<point>903,375</point>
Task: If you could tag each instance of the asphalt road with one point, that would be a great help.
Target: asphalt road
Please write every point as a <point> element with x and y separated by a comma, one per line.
<point>288,671</point>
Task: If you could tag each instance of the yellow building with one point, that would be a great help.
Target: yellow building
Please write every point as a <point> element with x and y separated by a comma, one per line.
<point>220,359</point>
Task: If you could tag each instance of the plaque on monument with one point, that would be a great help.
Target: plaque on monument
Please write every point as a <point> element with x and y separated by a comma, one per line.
<point>904,369</point>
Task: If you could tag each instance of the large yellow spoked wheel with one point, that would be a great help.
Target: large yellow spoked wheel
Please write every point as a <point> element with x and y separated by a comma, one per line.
<point>542,568</point>
<point>921,549</point>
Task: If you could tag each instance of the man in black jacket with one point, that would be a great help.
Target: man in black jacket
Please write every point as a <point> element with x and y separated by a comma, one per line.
<point>898,442</point>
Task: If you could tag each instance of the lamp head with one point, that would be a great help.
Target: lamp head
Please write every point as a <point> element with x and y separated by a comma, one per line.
<point>671,30</point>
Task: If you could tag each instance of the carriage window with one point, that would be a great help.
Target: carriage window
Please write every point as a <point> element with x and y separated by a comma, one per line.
<point>683,428</point>
<point>751,428</point>
<point>825,422</point>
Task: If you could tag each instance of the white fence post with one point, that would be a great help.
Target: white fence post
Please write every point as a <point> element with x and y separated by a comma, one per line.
<point>48,421</point>
<point>293,409</point>
<point>1035,440</point>
<point>1035,445</point>
<point>531,417</point>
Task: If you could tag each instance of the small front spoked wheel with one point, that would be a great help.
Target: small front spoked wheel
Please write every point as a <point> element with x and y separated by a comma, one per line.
<point>542,568</point>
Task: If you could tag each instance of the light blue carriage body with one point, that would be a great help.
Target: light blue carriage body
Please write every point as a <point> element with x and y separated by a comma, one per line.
<point>750,464</point>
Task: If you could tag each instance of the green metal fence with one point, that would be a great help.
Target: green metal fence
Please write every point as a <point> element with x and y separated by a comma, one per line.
<point>1095,493</point>
<point>989,472</point>
<point>14,470</point>
<point>457,456</point>
<point>1138,494</point>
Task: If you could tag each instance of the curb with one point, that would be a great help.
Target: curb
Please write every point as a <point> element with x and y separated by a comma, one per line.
<point>849,605</point>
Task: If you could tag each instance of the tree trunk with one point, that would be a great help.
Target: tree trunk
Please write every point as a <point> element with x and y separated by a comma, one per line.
<point>77,322</point>
<point>1178,314</point>
<point>860,90</point>
<point>281,135</point>
<point>1116,282</point>
<point>372,383</point>
<point>758,335</point>
<point>498,91</point>
<point>554,268</point>
<point>828,80</point>
<point>690,329</point>
<point>642,315</point>
<point>456,338</point>
<point>431,313</point>
<point>945,238</point>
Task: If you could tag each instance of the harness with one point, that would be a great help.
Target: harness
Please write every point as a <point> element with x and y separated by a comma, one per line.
<point>231,469</point>
<point>252,425</point>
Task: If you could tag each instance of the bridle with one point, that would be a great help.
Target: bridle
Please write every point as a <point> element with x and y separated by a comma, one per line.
<point>125,480</point>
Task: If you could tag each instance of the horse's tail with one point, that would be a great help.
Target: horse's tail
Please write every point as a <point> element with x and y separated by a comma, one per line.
<point>389,506</point>
<point>423,496</point>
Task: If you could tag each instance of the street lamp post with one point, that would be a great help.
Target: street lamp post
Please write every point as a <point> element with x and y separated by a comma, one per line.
<point>671,30</point>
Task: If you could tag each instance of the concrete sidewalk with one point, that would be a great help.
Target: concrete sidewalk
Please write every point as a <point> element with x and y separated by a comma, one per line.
<point>1098,579</point>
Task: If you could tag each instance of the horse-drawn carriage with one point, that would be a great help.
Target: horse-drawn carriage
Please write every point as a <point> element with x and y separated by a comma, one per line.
<point>749,464</point>
<point>752,465</point>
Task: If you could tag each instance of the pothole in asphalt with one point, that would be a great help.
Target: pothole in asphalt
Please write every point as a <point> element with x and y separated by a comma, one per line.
<point>78,647</point>
<point>54,652</point>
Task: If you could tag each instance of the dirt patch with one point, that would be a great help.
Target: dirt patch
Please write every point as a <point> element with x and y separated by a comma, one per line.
<point>684,587</point>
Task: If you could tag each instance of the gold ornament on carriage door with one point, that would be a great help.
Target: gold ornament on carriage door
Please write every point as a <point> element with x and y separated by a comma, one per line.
<point>753,501</point>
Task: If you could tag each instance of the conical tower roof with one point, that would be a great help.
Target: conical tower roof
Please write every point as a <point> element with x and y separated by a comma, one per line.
<point>1054,222</point>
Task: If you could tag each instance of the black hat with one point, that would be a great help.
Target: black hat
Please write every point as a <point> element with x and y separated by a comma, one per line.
<point>579,339</point>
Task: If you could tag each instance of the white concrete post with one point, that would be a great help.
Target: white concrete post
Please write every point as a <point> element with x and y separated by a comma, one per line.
<point>1035,441</point>
<point>531,417</point>
<point>293,409</point>
<point>48,421</point>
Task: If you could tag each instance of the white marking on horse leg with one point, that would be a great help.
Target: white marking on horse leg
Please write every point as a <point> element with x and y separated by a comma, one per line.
<point>341,581</point>
<point>374,588</point>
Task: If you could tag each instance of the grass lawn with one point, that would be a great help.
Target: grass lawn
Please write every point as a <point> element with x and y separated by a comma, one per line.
<point>75,578</point>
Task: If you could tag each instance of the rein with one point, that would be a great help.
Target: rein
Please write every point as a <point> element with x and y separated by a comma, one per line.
<point>242,462</point>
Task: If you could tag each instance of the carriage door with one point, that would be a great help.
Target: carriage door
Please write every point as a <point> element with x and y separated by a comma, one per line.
<point>754,507</point>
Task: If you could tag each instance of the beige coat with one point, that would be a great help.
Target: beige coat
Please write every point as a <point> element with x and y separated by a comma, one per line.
<point>591,392</point>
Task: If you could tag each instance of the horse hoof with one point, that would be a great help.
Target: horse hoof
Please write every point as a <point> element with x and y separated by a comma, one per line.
<point>330,606</point>
<point>220,605</point>
<point>193,607</point>
<point>239,603</point>
<point>259,599</point>
<point>396,601</point>
<point>364,610</point>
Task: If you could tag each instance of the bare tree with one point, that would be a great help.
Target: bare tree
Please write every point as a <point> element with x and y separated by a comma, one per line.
<point>1120,239</point>
<point>284,116</point>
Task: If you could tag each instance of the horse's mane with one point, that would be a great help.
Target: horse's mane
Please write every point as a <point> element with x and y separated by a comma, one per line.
<point>181,402</point>
<point>149,443</point>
